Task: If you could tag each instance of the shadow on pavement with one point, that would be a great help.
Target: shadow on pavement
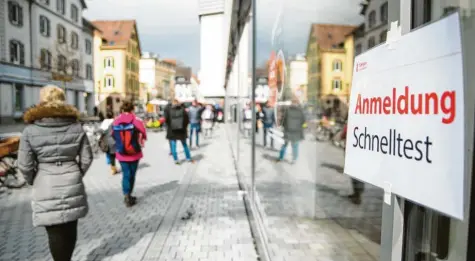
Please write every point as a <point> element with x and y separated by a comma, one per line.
<point>336,167</point>
<point>143,165</point>
<point>161,188</point>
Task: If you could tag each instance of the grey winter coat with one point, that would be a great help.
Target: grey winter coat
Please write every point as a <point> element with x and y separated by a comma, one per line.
<point>269,116</point>
<point>54,156</point>
<point>293,121</point>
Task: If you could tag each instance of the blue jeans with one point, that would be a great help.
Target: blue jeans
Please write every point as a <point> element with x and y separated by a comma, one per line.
<point>185,148</point>
<point>266,132</point>
<point>129,169</point>
<point>295,150</point>
<point>196,128</point>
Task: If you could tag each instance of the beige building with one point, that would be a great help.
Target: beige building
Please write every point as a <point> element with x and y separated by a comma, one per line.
<point>116,63</point>
<point>166,78</point>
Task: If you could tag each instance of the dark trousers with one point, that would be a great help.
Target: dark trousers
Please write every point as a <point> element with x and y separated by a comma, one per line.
<point>129,169</point>
<point>62,240</point>
<point>266,131</point>
<point>112,159</point>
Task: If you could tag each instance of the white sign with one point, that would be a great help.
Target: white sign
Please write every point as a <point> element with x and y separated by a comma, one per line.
<point>262,93</point>
<point>406,118</point>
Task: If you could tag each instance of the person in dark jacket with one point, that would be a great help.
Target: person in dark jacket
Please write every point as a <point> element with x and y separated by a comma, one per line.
<point>293,121</point>
<point>54,156</point>
<point>167,108</point>
<point>177,121</point>
<point>268,121</point>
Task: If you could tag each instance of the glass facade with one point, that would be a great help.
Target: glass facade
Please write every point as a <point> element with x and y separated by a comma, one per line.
<point>288,145</point>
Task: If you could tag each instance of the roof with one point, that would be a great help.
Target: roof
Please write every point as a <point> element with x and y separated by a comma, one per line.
<point>170,61</point>
<point>88,24</point>
<point>116,32</point>
<point>330,35</point>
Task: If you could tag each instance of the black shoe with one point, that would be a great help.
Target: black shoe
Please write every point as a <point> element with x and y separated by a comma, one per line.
<point>129,201</point>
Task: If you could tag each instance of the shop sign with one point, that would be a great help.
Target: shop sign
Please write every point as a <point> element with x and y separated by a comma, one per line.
<point>406,118</point>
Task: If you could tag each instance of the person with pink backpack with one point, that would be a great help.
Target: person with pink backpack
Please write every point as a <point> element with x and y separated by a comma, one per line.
<point>129,134</point>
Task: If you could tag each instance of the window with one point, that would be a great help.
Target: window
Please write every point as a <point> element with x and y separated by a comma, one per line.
<point>74,40</point>
<point>109,81</point>
<point>382,37</point>
<point>44,26</point>
<point>88,71</point>
<point>421,12</point>
<point>15,13</point>
<point>384,13</point>
<point>88,46</point>
<point>17,52</point>
<point>18,97</point>
<point>74,13</point>
<point>371,42</point>
<point>62,64</point>
<point>358,49</point>
<point>336,84</point>
<point>372,19</point>
<point>337,66</point>
<point>75,67</point>
<point>109,62</point>
<point>76,99</point>
<point>61,34</point>
<point>60,7</point>
<point>45,59</point>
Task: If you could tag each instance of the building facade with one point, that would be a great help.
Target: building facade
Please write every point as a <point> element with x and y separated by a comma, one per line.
<point>117,64</point>
<point>299,77</point>
<point>149,75</point>
<point>374,29</point>
<point>44,42</point>
<point>166,78</point>
<point>330,54</point>
<point>213,39</point>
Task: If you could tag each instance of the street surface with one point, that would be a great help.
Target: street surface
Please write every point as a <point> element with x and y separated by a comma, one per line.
<point>306,212</point>
<point>153,229</point>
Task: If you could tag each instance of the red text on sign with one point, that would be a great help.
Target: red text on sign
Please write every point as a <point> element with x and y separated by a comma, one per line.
<point>410,103</point>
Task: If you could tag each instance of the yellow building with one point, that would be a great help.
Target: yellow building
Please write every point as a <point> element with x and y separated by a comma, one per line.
<point>116,63</point>
<point>166,75</point>
<point>330,54</point>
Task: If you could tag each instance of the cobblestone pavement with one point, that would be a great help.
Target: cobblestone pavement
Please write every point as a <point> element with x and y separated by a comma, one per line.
<point>154,229</point>
<point>304,206</point>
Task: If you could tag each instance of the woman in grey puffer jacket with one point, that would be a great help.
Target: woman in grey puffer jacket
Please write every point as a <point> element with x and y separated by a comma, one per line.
<point>54,156</point>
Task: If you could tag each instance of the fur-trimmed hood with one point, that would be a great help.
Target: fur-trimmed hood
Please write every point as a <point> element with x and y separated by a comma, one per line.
<point>43,111</point>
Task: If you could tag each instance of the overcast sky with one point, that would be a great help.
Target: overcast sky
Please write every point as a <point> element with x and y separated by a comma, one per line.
<point>171,27</point>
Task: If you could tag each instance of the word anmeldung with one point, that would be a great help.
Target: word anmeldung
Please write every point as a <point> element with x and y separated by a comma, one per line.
<point>406,103</point>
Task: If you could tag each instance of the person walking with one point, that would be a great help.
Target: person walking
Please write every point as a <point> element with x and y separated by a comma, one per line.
<point>268,120</point>
<point>247,120</point>
<point>109,142</point>
<point>195,122</point>
<point>167,108</point>
<point>293,121</point>
<point>54,156</point>
<point>207,118</point>
<point>177,121</point>
<point>129,134</point>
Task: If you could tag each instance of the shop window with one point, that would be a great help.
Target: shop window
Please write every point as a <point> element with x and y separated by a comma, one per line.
<point>19,89</point>
<point>109,81</point>
<point>421,12</point>
<point>371,42</point>
<point>88,71</point>
<point>62,64</point>
<point>384,13</point>
<point>45,26</point>
<point>45,59</point>
<point>75,67</point>
<point>74,40</point>
<point>88,45</point>
<point>358,49</point>
<point>74,13</point>
<point>382,37</point>
<point>60,6</point>
<point>15,13</point>
<point>337,65</point>
<point>17,52</point>
<point>109,62</point>
<point>61,34</point>
<point>372,19</point>
<point>336,84</point>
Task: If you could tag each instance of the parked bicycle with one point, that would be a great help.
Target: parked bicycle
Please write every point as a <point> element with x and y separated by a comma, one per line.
<point>9,174</point>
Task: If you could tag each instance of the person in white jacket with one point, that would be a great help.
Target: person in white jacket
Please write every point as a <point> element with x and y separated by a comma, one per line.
<point>207,118</point>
